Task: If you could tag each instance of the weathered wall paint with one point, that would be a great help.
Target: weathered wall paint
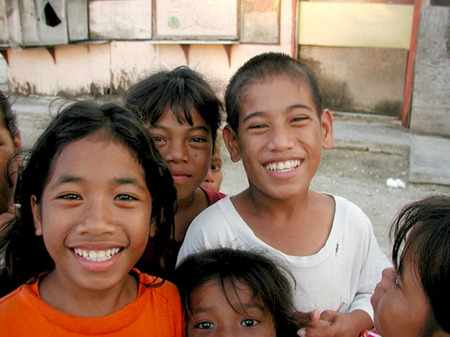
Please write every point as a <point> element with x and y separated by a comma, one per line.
<point>355,24</point>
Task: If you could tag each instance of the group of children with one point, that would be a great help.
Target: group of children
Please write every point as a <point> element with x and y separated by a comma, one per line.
<point>116,234</point>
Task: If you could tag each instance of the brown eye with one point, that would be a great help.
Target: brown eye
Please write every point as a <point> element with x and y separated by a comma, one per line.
<point>70,196</point>
<point>205,325</point>
<point>248,322</point>
<point>125,197</point>
<point>157,139</point>
<point>215,167</point>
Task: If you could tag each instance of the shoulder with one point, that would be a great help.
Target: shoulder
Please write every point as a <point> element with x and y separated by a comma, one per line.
<point>11,297</point>
<point>18,304</point>
<point>357,230</point>
<point>155,282</point>
<point>212,196</point>
<point>150,283</point>
<point>216,219</point>
<point>348,212</point>
<point>216,226</point>
<point>219,211</point>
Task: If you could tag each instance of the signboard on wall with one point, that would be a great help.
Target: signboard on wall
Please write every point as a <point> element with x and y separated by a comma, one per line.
<point>120,19</point>
<point>196,19</point>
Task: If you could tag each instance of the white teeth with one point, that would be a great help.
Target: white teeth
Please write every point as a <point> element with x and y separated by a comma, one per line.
<point>97,255</point>
<point>283,166</point>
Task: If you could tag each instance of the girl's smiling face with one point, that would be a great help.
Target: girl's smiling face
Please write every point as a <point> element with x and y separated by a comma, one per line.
<point>212,315</point>
<point>186,148</point>
<point>399,303</point>
<point>94,215</point>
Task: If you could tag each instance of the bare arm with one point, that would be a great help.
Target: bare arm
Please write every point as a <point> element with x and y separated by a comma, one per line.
<point>337,324</point>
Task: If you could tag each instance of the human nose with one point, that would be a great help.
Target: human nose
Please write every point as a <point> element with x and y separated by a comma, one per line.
<point>280,139</point>
<point>386,278</point>
<point>226,331</point>
<point>176,151</point>
<point>209,177</point>
<point>96,217</point>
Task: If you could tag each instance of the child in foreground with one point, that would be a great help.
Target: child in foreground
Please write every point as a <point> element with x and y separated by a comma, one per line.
<point>182,114</point>
<point>9,143</point>
<point>276,125</point>
<point>412,298</point>
<point>229,292</point>
<point>93,186</point>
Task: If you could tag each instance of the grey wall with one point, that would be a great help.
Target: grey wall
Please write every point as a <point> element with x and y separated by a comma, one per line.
<point>430,113</point>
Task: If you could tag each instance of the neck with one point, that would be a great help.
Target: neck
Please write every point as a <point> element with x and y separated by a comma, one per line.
<point>66,297</point>
<point>263,203</point>
<point>188,209</point>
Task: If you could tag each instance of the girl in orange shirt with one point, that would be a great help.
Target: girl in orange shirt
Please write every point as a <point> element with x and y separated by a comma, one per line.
<point>92,189</point>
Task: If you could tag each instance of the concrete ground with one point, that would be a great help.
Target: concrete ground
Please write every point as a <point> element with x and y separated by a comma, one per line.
<point>368,151</point>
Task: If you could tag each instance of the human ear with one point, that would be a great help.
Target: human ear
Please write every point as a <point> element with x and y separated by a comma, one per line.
<point>231,141</point>
<point>152,231</point>
<point>326,123</point>
<point>36,216</point>
<point>17,143</point>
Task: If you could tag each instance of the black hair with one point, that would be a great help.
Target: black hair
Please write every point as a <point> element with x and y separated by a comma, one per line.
<point>252,269</point>
<point>8,118</point>
<point>180,90</point>
<point>260,67</point>
<point>25,253</point>
<point>422,233</point>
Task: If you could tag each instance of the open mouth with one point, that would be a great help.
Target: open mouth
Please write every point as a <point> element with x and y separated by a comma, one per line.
<point>283,166</point>
<point>97,255</point>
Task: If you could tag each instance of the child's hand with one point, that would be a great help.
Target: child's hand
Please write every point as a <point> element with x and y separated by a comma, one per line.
<point>337,324</point>
<point>304,319</point>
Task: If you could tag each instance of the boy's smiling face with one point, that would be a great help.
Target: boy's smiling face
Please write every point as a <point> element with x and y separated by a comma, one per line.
<point>280,136</point>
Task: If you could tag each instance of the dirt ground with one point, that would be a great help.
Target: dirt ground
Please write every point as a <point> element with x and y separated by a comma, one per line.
<point>360,177</point>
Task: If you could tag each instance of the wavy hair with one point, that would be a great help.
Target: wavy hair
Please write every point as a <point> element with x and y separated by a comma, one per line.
<point>25,255</point>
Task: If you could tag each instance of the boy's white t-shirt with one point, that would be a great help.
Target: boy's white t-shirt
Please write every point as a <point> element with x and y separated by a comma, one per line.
<point>341,276</point>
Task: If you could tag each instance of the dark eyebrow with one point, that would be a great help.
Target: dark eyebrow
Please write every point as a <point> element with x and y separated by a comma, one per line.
<point>201,128</point>
<point>194,128</point>
<point>251,115</point>
<point>128,181</point>
<point>65,179</point>
<point>244,306</point>
<point>289,108</point>
<point>300,106</point>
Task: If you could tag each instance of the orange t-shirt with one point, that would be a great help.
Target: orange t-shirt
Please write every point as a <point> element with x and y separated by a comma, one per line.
<point>155,312</point>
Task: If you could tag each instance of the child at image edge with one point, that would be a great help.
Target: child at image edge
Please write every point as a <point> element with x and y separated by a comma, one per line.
<point>182,114</point>
<point>229,292</point>
<point>10,142</point>
<point>412,299</point>
<point>276,126</point>
<point>93,186</point>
